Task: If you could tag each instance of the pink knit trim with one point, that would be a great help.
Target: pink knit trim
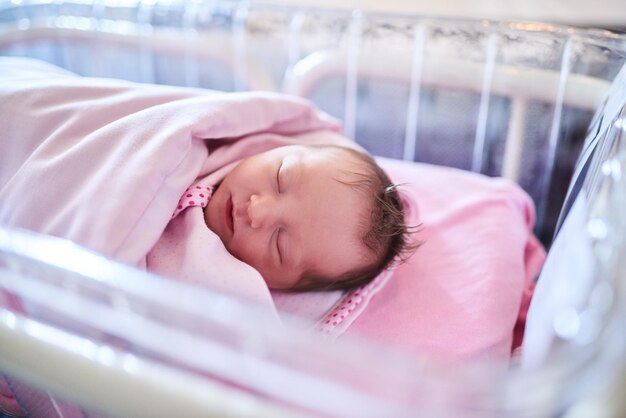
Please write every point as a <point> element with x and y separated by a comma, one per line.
<point>351,306</point>
<point>195,195</point>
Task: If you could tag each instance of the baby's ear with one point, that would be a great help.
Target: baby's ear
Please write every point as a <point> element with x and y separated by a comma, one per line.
<point>409,205</point>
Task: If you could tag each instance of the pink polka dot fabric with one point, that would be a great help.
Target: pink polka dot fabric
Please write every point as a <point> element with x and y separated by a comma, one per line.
<point>350,307</point>
<point>195,195</point>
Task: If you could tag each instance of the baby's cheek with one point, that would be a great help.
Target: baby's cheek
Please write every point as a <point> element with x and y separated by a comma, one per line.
<point>245,250</point>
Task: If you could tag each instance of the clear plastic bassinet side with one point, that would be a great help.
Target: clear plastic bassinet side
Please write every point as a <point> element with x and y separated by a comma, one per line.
<point>578,314</point>
<point>70,317</point>
<point>535,85</point>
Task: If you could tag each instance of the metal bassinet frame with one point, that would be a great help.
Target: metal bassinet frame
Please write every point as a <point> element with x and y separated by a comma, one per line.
<point>530,91</point>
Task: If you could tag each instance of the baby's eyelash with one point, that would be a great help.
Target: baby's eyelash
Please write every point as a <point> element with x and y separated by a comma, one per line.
<point>280,255</point>
<point>278,177</point>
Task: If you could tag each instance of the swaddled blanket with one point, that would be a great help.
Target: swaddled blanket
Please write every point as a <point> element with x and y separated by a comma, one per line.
<point>105,162</point>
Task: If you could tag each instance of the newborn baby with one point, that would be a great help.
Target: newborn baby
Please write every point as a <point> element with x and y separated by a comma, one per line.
<point>310,217</point>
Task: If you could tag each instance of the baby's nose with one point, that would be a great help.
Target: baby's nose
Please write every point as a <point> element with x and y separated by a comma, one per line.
<point>262,211</point>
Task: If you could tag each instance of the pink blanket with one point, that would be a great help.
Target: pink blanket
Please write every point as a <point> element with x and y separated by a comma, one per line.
<point>464,294</point>
<point>104,163</point>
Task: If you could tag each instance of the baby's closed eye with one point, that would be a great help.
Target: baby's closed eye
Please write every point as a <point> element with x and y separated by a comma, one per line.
<point>278,189</point>
<point>279,244</point>
<point>287,171</point>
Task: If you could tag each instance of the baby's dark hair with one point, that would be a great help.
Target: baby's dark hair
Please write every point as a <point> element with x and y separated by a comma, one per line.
<point>386,233</point>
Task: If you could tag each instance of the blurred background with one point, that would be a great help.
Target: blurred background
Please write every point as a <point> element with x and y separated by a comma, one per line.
<point>610,14</point>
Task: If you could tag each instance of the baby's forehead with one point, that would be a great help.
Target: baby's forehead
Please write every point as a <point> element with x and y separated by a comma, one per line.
<point>340,169</point>
<point>336,157</point>
<point>331,151</point>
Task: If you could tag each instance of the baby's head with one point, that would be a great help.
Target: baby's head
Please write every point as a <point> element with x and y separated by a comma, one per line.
<point>310,217</point>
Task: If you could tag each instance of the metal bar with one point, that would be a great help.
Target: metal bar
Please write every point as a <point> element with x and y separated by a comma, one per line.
<point>412,116</point>
<point>514,140</point>
<point>483,112</point>
<point>293,43</point>
<point>555,129</point>
<point>144,21</point>
<point>352,68</point>
<point>192,68</point>
<point>240,75</point>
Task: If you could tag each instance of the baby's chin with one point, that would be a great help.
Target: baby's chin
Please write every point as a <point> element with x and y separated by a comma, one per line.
<point>211,219</point>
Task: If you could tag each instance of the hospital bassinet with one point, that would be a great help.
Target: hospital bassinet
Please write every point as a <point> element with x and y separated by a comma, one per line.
<point>508,99</point>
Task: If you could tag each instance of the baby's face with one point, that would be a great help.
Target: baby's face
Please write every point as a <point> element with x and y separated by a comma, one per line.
<point>286,212</point>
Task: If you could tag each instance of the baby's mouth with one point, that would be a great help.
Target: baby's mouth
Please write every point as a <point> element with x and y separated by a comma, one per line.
<point>228,214</point>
